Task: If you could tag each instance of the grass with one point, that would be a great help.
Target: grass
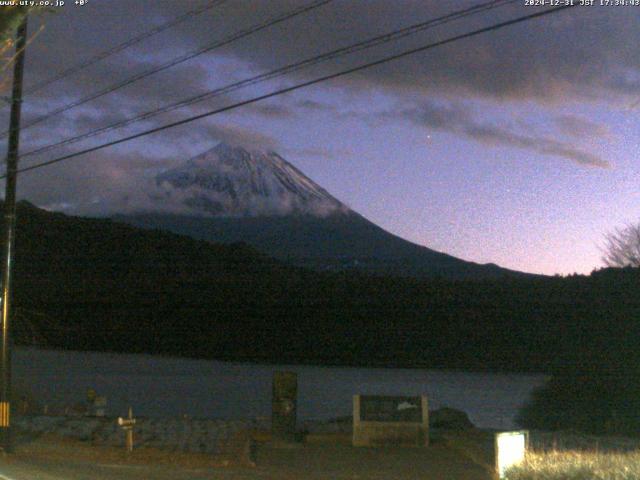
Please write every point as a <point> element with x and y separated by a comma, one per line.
<point>578,465</point>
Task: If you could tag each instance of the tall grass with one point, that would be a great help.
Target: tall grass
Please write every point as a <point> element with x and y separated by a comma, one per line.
<point>578,465</point>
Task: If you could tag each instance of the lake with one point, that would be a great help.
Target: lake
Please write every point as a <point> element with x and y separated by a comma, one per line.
<point>162,386</point>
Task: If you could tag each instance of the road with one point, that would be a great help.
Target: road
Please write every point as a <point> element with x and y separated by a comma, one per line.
<point>30,469</point>
<point>60,459</point>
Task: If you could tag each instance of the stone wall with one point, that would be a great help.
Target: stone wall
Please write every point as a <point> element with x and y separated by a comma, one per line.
<point>173,434</point>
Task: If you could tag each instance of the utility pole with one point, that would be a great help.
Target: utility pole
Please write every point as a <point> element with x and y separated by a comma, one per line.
<point>9,236</point>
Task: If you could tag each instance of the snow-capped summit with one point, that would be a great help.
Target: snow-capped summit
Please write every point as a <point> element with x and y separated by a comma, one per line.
<point>232,181</point>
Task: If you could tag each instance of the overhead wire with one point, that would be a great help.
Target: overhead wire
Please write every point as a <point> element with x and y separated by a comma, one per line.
<point>183,58</point>
<point>122,46</point>
<point>304,84</point>
<point>281,71</point>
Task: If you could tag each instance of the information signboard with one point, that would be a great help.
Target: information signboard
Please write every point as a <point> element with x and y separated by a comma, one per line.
<point>390,420</point>
<point>375,408</point>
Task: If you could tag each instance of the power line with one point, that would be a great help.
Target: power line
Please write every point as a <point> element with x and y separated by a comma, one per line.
<point>371,42</point>
<point>118,48</point>
<point>181,59</point>
<point>299,86</point>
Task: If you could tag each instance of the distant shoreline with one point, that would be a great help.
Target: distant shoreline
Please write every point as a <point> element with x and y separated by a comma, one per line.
<point>297,363</point>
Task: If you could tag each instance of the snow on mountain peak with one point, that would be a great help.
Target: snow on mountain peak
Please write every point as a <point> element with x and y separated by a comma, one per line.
<point>232,181</point>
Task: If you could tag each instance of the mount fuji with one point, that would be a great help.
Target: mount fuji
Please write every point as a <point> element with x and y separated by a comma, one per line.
<point>230,194</point>
<point>230,181</point>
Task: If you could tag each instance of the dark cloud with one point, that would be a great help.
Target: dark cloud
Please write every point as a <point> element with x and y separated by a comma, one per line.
<point>118,179</point>
<point>319,152</point>
<point>625,81</point>
<point>234,135</point>
<point>546,146</point>
<point>580,127</point>
<point>582,52</point>
<point>314,106</point>
<point>270,110</point>
<point>91,184</point>
<point>456,119</point>
<point>441,117</point>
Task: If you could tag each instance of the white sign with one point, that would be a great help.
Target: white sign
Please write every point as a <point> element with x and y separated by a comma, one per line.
<point>511,448</point>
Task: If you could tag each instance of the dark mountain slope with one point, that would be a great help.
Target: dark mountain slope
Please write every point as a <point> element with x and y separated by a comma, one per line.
<point>341,241</point>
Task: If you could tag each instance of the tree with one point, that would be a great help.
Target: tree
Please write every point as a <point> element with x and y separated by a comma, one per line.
<point>589,398</point>
<point>622,247</point>
<point>10,18</point>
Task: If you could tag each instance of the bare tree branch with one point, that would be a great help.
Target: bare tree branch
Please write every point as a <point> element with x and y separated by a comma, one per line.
<point>622,247</point>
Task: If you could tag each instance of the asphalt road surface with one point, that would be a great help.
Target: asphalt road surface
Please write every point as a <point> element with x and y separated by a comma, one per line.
<point>53,459</point>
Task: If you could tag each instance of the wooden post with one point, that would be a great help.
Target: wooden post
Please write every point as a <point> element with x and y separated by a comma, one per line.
<point>425,419</point>
<point>9,236</point>
<point>283,418</point>
<point>130,433</point>
<point>127,425</point>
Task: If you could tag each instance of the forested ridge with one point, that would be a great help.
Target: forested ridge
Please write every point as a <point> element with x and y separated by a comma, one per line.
<point>93,284</point>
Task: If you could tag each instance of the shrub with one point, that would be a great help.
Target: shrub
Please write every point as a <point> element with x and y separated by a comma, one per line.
<point>591,400</point>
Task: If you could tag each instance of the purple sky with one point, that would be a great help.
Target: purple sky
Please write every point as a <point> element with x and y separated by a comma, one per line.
<point>518,147</point>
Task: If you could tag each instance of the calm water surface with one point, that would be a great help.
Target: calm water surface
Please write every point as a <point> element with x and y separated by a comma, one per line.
<point>156,386</point>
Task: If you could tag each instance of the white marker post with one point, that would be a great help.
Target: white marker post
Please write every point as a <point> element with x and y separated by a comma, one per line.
<point>127,425</point>
<point>510,449</point>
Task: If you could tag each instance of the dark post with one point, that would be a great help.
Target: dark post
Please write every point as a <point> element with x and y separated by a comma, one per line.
<point>283,418</point>
<point>9,235</point>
